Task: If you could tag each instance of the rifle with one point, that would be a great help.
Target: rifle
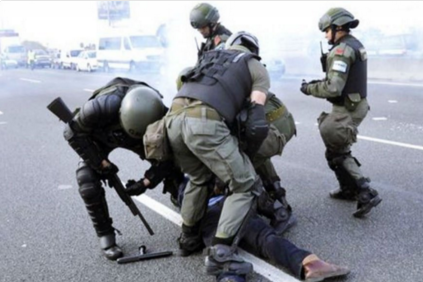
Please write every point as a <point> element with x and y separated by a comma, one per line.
<point>59,109</point>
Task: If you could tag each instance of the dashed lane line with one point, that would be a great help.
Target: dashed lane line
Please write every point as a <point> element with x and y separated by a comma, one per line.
<point>88,90</point>
<point>261,267</point>
<point>3,122</point>
<point>1,112</point>
<point>30,80</point>
<point>383,141</point>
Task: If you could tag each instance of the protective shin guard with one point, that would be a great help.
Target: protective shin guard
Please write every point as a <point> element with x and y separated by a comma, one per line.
<point>222,258</point>
<point>347,185</point>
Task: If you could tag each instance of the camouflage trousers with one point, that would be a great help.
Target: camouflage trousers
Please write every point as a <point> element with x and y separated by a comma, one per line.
<point>281,129</point>
<point>203,146</point>
<point>339,130</point>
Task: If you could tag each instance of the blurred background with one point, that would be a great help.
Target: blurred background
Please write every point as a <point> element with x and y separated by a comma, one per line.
<point>290,40</point>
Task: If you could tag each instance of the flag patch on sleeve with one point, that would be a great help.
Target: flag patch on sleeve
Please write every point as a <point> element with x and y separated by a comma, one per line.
<point>339,66</point>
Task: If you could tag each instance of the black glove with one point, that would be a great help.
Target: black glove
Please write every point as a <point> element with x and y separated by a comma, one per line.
<point>303,88</point>
<point>109,170</point>
<point>135,188</point>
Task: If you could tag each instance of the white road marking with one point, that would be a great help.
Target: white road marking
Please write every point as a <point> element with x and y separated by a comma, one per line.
<point>88,90</point>
<point>405,145</point>
<point>392,101</point>
<point>379,118</point>
<point>410,84</point>
<point>30,80</point>
<point>64,187</point>
<point>1,112</point>
<point>261,267</point>
<point>396,83</point>
<point>3,122</point>
<point>297,122</point>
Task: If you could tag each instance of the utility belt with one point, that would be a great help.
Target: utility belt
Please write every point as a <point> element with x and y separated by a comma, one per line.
<point>276,114</point>
<point>349,101</point>
<point>194,108</point>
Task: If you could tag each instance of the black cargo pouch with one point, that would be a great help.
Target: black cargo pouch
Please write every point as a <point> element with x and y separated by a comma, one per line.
<point>351,101</point>
<point>156,143</point>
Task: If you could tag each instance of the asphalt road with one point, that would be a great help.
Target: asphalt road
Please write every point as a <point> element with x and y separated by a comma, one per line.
<point>46,234</point>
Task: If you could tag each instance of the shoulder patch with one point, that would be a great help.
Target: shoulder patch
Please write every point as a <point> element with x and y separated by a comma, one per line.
<point>339,66</point>
<point>217,40</point>
<point>339,51</point>
<point>363,54</point>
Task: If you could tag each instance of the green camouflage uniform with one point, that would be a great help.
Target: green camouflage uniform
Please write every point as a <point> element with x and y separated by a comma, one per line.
<point>203,146</point>
<point>339,128</point>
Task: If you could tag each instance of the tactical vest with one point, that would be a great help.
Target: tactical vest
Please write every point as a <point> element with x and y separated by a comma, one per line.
<point>357,76</point>
<point>222,80</point>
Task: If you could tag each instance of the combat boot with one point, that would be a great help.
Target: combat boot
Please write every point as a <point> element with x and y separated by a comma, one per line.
<point>109,247</point>
<point>222,258</point>
<point>347,189</point>
<point>190,241</point>
<point>230,277</point>
<point>368,198</point>
<point>282,218</point>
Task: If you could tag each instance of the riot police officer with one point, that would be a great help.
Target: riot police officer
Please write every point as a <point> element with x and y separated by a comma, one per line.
<point>281,129</point>
<point>345,86</point>
<point>204,18</point>
<point>116,116</point>
<point>213,93</point>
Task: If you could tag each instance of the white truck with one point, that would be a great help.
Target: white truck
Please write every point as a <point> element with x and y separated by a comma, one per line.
<point>12,53</point>
<point>68,58</point>
<point>130,50</point>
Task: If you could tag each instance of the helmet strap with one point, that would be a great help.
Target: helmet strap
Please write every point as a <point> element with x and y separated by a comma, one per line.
<point>333,32</point>
<point>213,29</point>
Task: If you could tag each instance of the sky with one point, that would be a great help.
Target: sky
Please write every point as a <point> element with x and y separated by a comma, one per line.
<point>65,23</point>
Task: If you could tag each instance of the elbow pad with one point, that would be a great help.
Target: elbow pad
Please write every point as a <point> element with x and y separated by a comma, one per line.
<point>256,128</point>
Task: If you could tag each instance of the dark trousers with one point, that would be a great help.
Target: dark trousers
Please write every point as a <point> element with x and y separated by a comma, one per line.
<point>260,239</point>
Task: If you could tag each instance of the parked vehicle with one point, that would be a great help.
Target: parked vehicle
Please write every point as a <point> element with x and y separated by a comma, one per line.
<point>67,59</point>
<point>132,51</point>
<point>42,58</point>
<point>7,63</point>
<point>87,61</point>
<point>11,49</point>
<point>15,53</point>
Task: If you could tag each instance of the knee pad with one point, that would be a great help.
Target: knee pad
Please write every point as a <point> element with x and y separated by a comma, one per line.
<point>89,183</point>
<point>337,131</point>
